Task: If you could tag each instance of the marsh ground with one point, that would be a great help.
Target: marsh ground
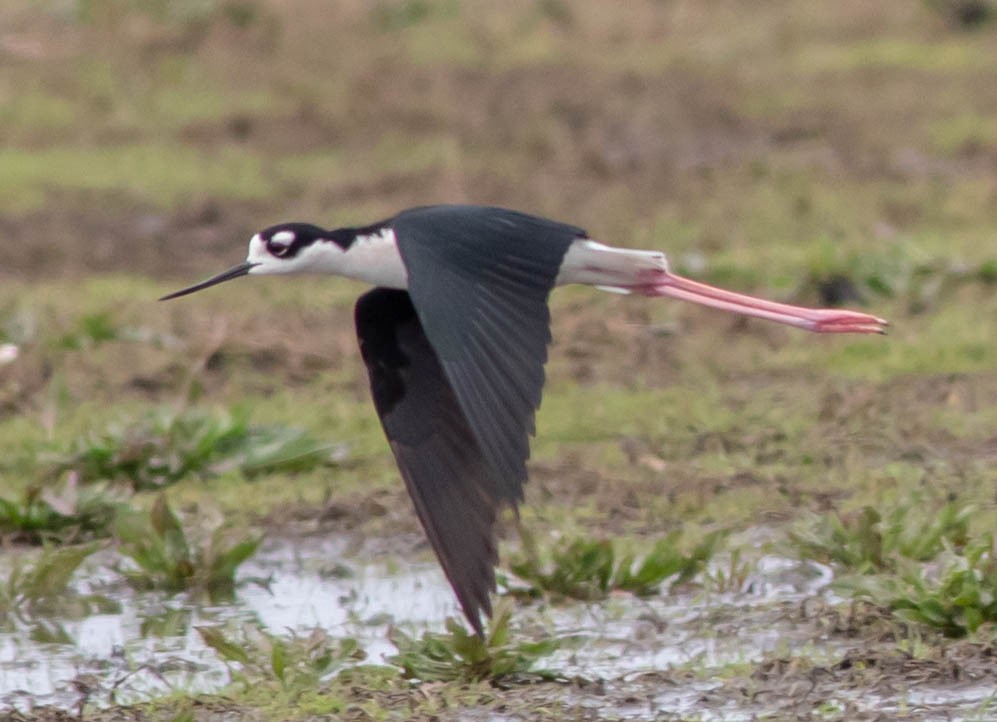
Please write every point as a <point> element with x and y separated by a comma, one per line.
<point>825,153</point>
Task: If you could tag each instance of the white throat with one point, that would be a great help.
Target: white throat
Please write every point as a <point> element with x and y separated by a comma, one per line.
<point>373,258</point>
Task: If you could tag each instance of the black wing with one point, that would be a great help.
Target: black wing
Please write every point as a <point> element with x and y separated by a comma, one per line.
<point>479,279</point>
<point>443,467</point>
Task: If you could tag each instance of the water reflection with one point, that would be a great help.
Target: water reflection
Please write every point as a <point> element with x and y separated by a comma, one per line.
<point>142,644</point>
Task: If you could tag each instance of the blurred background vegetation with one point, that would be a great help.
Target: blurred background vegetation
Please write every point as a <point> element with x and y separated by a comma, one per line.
<point>836,153</point>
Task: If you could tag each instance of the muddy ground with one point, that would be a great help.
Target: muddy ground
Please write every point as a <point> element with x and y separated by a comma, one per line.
<point>842,153</point>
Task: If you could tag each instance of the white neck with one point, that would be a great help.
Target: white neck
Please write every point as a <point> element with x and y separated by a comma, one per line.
<point>372,258</point>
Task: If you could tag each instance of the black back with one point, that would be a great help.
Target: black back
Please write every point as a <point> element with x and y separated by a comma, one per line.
<point>479,279</point>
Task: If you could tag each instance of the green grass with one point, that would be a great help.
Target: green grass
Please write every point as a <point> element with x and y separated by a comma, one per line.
<point>158,174</point>
<point>35,110</point>
<point>954,54</point>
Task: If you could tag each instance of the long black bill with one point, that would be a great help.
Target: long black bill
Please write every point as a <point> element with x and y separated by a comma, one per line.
<point>241,270</point>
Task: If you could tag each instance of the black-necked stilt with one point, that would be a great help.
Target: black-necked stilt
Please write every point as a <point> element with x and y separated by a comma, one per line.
<point>455,339</point>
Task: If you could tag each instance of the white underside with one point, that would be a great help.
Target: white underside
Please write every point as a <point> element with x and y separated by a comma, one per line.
<point>611,269</point>
<point>375,259</point>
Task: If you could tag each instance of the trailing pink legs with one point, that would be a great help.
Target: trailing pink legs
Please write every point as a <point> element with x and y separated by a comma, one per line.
<point>819,320</point>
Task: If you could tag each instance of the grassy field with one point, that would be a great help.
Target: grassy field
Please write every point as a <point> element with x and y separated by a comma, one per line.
<point>825,153</point>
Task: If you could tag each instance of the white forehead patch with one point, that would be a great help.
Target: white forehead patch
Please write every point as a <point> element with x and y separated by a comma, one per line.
<point>283,238</point>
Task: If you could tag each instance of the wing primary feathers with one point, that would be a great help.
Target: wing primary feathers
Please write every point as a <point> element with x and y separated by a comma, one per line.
<point>452,485</point>
<point>456,367</point>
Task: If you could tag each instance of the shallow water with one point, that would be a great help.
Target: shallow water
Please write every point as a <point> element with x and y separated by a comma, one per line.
<point>150,645</point>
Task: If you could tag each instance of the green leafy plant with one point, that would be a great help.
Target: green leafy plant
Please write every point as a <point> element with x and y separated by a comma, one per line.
<point>460,655</point>
<point>919,560</point>
<point>168,559</point>
<point>64,515</point>
<point>589,569</point>
<point>296,664</point>
<point>868,541</point>
<point>166,445</point>
<point>956,596</point>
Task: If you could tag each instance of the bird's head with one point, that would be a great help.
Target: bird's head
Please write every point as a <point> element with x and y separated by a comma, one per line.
<point>283,248</point>
<point>287,247</point>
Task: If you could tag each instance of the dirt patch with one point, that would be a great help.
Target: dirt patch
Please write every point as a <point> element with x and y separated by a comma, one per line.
<point>106,234</point>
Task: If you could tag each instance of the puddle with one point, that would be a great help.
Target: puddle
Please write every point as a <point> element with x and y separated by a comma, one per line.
<point>931,701</point>
<point>149,646</point>
<point>626,634</point>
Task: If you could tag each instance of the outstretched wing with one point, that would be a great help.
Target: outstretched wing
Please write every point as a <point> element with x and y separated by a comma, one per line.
<point>444,469</point>
<point>479,279</point>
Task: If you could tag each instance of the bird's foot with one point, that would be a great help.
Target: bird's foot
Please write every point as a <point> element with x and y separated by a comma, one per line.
<point>832,320</point>
<point>818,320</point>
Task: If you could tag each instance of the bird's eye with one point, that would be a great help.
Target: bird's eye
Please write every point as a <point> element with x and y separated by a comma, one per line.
<point>280,242</point>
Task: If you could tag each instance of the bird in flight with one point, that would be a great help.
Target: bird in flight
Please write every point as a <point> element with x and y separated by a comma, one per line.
<point>454,336</point>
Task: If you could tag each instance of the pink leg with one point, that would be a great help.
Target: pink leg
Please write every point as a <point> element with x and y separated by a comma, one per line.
<point>819,320</point>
